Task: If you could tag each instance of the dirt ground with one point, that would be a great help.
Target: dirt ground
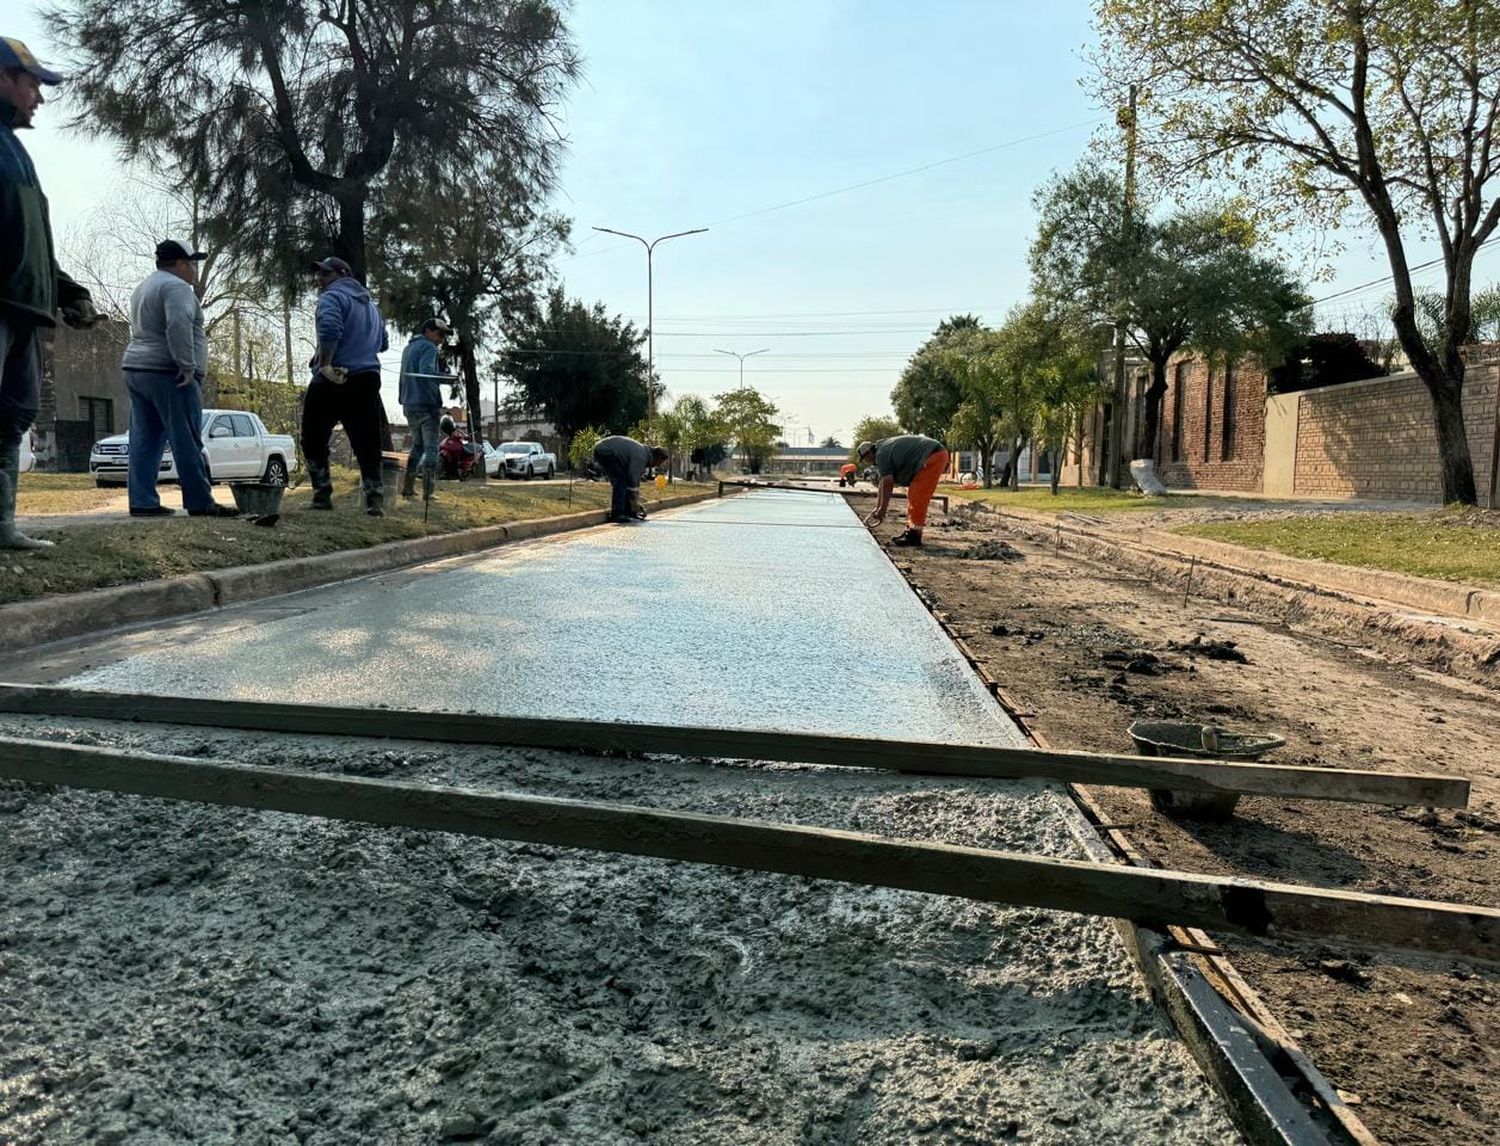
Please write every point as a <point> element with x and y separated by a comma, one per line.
<point>1087,650</point>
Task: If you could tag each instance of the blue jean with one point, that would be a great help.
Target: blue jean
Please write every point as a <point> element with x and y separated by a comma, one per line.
<point>162,414</point>
<point>20,383</point>
<point>424,439</point>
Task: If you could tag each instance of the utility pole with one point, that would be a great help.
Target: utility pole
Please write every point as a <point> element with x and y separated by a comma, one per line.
<point>1114,464</point>
<point>742,358</point>
<point>650,311</point>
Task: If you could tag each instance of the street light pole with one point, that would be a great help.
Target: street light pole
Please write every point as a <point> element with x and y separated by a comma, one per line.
<point>650,246</point>
<point>742,358</point>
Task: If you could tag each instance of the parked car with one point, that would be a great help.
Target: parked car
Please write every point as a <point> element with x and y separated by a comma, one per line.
<point>236,446</point>
<point>524,460</point>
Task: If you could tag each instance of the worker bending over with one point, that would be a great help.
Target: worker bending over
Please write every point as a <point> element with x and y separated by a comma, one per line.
<point>910,460</point>
<point>625,461</point>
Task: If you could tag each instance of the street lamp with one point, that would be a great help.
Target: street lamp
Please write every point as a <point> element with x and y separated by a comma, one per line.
<point>742,358</point>
<point>650,246</point>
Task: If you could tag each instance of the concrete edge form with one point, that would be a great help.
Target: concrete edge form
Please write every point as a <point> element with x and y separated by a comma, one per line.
<point>25,624</point>
<point>1275,1094</point>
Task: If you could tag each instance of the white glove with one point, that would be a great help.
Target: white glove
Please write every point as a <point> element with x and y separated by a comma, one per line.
<point>335,374</point>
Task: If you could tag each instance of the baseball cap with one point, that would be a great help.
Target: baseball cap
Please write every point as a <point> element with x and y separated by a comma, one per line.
<point>14,54</point>
<point>170,251</point>
<point>333,263</point>
<point>436,324</point>
<point>864,448</point>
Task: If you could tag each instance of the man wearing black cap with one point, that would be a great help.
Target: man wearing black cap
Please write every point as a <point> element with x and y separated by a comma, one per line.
<point>164,364</point>
<point>345,384</point>
<point>32,287</point>
<point>422,403</point>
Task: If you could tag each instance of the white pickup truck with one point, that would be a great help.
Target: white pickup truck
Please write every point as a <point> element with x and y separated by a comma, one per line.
<point>236,446</point>
<point>524,460</point>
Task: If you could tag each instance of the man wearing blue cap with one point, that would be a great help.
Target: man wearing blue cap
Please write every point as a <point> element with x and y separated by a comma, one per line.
<point>33,290</point>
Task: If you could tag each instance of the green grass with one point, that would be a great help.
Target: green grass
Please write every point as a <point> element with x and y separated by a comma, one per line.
<point>1086,500</point>
<point>61,493</point>
<point>1448,545</point>
<point>94,556</point>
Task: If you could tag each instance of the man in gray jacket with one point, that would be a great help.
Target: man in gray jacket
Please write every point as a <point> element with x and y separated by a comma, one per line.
<point>624,461</point>
<point>164,364</point>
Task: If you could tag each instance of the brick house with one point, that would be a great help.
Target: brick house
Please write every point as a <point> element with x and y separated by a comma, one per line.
<point>83,393</point>
<point>1213,425</point>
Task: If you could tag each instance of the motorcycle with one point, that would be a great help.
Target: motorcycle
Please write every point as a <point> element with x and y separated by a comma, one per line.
<point>457,455</point>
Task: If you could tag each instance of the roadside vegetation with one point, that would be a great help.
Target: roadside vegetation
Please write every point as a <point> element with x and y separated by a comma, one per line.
<point>1451,545</point>
<point>62,493</point>
<point>1089,499</point>
<point>95,556</point>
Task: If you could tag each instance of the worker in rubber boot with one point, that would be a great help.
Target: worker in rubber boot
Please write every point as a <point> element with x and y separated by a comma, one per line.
<point>33,290</point>
<point>911,460</point>
<point>422,401</point>
<point>624,461</point>
<point>345,384</point>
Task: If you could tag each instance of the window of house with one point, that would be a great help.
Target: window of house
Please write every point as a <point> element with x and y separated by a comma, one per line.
<point>1179,389</point>
<point>1227,445</point>
<point>100,412</point>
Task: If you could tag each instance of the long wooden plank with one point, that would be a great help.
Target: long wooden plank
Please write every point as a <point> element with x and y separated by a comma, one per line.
<point>1148,896</point>
<point>1395,788</point>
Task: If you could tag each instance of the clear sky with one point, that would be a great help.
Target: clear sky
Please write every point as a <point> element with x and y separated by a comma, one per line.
<point>699,114</point>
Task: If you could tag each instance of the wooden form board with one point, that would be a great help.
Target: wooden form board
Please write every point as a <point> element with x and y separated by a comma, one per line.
<point>793,747</point>
<point>1146,896</point>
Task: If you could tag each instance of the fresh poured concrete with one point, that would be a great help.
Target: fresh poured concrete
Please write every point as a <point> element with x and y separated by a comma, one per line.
<point>773,610</point>
<point>176,973</point>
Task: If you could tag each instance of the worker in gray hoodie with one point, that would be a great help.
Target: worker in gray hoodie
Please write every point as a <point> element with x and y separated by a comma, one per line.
<point>345,384</point>
<point>164,364</point>
<point>624,461</point>
<point>421,399</point>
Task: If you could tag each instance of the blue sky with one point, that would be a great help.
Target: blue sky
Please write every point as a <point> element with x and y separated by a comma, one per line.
<point>693,114</point>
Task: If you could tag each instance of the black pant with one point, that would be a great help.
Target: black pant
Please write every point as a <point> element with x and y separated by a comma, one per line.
<point>355,403</point>
<point>617,470</point>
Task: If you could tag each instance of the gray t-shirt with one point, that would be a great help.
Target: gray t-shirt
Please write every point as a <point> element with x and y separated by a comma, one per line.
<point>903,455</point>
<point>166,328</point>
<point>635,456</point>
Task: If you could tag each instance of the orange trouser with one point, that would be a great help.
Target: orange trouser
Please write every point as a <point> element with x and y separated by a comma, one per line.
<point>919,493</point>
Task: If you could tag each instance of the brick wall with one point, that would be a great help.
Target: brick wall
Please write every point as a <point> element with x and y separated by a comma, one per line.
<point>1375,439</point>
<point>1220,441</point>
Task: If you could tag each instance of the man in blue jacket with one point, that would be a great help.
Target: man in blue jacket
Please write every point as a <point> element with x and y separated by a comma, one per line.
<point>345,384</point>
<point>33,290</point>
<point>422,402</point>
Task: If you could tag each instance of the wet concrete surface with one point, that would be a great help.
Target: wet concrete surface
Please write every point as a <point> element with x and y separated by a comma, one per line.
<point>182,974</point>
<point>767,610</point>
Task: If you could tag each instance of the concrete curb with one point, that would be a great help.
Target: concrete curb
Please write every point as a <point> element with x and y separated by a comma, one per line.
<point>28,623</point>
<point>1441,598</point>
<point>1460,647</point>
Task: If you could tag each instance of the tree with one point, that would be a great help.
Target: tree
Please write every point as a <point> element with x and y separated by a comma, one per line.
<point>469,241</point>
<point>576,366</point>
<point>1327,359</point>
<point>927,395</point>
<point>831,443</point>
<point>581,448</point>
<point>749,418</point>
<point>872,428</point>
<point>1384,109</point>
<point>1191,280</point>
<point>285,117</point>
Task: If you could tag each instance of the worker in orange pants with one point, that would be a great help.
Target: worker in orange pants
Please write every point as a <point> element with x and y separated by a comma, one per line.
<point>912,460</point>
<point>847,474</point>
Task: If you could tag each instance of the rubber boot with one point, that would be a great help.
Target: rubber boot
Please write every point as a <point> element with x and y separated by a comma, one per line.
<point>10,536</point>
<point>374,498</point>
<point>322,486</point>
<point>908,537</point>
<point>409,483</point>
